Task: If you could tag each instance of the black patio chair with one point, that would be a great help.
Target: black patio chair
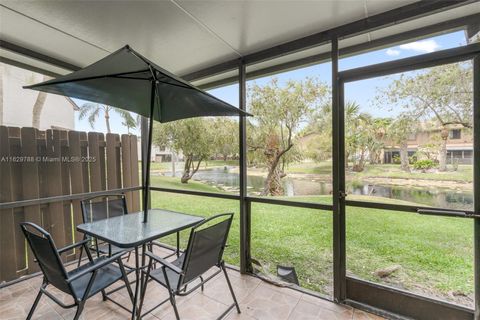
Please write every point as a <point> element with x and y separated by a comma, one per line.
<point>98,208</point>
<point>81,283</point>
<point>204,250</point>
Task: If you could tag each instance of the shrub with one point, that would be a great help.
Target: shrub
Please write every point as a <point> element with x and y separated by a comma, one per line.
<point>396,159</point>
<point>424,164</point>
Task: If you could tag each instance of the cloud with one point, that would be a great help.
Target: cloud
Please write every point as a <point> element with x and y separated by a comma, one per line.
<point>424,46</point>
<point>393,52</point>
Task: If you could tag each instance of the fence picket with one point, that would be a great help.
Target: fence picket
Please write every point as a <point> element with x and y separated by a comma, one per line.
<point>54,187</point>
<point>113,162</point>
<point>7,228</point>
<point>134,173</point>
<point>56,163</point>
<point>76,177</point>
<point>30,183</point>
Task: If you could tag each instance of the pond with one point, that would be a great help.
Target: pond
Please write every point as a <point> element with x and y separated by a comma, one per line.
<point>433,196</point>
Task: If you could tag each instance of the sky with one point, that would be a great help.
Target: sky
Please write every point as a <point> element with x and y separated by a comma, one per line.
<point>362,92</point>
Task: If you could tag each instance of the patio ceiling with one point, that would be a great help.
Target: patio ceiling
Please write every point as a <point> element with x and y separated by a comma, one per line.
<point>187,36</point>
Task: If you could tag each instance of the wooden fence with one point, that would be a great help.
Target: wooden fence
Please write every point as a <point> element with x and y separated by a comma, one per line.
<point>44,164</point>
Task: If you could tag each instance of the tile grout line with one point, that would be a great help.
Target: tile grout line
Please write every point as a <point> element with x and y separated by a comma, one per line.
<point>291,312</point>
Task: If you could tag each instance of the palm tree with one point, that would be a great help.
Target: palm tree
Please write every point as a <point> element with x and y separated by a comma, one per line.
<point>92,111</point>
<point>38,106</point>
<point>356,135</point>
<point>399,131</point>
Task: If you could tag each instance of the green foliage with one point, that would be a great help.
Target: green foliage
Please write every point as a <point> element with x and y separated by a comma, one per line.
<point>364,135</point>
<point>226,137</point>
<point>424,164</point>
<point>396,159</point>
<point>92,111</point>
<point>443,94</point>
<point>358,135</point>
<point>194,138</point>
<point>279,111</point>
<point>191,137</point>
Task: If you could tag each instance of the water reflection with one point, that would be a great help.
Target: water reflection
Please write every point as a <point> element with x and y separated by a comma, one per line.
<point>227,180</point>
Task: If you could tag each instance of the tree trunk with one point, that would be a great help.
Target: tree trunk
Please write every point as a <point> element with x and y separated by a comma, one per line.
<point>107,121</point>
<point>273,153</point>
<point>443,150</point>
<point>404,164</point>
<point>358,167</point>
<point>273,184</point>
<point>442,159</point>
<point>173,159</point>
<point>38,107</point>
<point>189,169</point>
<point>186,170</point>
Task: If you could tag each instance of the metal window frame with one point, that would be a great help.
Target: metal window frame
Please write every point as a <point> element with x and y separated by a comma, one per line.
<point>378,21</point>
<point>372,296</point>
<point>398,15</point>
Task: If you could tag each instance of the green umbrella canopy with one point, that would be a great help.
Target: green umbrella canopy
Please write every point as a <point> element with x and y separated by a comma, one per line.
<point>127,80</point>
<point>124,80</point>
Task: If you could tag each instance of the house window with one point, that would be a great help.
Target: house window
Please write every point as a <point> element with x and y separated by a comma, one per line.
<point>455,134</point>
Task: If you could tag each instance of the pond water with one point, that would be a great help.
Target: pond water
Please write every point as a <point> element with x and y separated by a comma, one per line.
<point>433,196</point>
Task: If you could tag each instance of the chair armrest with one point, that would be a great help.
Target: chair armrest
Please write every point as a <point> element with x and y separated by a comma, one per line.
<point>165,263</point>
<point>74,245</point>
<point>96,266</point>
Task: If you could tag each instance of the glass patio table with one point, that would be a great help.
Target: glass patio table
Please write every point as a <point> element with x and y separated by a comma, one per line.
<point>128,231</point>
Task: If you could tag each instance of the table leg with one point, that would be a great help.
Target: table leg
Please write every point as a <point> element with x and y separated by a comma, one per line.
<point>178,244</point>
<point>143,264</point>
<point>137,282</point>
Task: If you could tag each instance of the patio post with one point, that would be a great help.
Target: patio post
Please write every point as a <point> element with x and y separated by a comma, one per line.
<point>144,147</point>
<point>338,132</point>
<point>146,186</point>
<point>245,224</point>
<point>476,179</point>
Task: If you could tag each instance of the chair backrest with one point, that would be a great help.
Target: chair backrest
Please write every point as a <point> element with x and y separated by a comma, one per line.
<point>45,252</point>
<point>103,207</point>
<point>205,246</point>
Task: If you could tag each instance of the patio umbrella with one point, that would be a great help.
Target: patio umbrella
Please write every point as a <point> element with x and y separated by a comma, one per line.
<point>127,80</point>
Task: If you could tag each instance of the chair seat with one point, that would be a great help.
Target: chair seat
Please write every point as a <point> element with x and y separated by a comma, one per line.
<point>173,277</point>
<point>105,277</point>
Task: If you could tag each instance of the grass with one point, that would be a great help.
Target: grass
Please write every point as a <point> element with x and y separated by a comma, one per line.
<point>322,168</point>
<point>435,254</point>
<point>174,183</point>
<point>167,166</point>
<point>463,174</point>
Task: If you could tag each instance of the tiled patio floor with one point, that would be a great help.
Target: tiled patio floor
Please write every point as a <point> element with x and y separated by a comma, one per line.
<point>258,300</point>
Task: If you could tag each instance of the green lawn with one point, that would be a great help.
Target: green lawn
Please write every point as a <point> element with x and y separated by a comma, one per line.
<point>435,254</point>
<point>174,183</point>
<point>167,166</point>
<point>463,174</point>
<point>322,168</point>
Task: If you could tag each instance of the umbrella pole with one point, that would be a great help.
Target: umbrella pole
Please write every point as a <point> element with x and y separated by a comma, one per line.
<point>146,192</point>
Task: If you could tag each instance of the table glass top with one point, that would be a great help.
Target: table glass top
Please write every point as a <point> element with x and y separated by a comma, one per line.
<point>129,230</point>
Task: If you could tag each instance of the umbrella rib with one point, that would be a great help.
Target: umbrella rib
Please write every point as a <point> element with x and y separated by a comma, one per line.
<point>131,78</point>
<point>116,75</point>
<point>176,85</point>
